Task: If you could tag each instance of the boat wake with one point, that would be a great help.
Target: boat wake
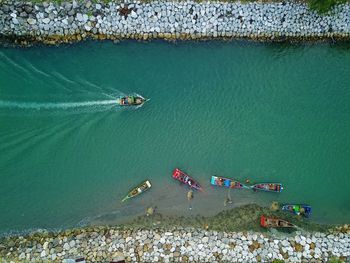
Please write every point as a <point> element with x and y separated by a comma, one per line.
<point>56,106</point>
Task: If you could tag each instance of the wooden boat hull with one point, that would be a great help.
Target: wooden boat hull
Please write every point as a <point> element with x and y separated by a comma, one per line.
<point>274,222</point>
<point>226,182</point>
<point>143,187</point>
<point>186,179</point>
<point>297,209</point>
<point>268,187</point>
<point>132,100</point>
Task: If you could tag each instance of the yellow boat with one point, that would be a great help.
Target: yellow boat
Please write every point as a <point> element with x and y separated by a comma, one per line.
<point>138,190</point>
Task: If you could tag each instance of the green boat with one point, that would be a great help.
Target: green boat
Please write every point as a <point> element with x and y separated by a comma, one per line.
<point>132,100</point>
<point>143,187</point>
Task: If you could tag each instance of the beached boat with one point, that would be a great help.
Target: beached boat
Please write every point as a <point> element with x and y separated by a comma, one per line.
<point>226,182</point>
<point>297,209</point>
<point>268,187</point>
<point>138,190</point>
<point>132,100</point>
<point>186,179</point>
<point>272,221</point>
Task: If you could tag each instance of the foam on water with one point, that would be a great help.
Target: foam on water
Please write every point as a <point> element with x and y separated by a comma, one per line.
<point>55,106</point>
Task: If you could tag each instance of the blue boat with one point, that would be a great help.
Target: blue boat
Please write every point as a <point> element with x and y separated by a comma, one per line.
<point>297,209</point>
<point>226,182</point>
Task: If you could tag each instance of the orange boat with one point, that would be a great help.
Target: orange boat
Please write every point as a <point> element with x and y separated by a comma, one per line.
<point>268,187</point>
<point>275,222</point>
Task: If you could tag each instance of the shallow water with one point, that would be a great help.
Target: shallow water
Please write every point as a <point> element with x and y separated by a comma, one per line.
<point>267,112</point>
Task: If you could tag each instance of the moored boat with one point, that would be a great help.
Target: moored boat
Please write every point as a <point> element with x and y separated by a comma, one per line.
<point>138,190</point>
<point>268,187</point>
<point>297,209</point>
<point>132,100</point>
<point>275,222</point>
<point>226,182</point>
<point>186,179</point>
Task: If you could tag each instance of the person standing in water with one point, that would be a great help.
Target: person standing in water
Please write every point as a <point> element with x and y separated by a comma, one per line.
<point>189,198</point>
<point>228,199</point>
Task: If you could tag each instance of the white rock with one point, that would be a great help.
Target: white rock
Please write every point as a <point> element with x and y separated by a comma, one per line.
<point>72,243</point>
<point>133,14</point>
<point>87,27</point>
<point>66,246</point>
<point>285,243</point>
<point>31,21</point>
<point>46,20</point>
<point>79,17</point>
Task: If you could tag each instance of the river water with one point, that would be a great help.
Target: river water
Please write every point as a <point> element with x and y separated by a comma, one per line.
<point>264,112</point>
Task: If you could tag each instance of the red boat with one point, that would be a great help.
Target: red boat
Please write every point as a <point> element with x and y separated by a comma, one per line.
<point>186,179</point>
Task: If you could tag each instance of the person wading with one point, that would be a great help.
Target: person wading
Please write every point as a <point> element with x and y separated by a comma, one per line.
<point>228,199</point>
<point>189,198</point>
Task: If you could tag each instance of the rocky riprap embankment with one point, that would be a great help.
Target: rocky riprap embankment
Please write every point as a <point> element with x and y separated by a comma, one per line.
<point>175,245</point>
<point>73,21</point>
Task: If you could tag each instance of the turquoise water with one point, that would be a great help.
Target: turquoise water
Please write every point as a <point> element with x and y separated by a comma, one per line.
<point>267,112</point>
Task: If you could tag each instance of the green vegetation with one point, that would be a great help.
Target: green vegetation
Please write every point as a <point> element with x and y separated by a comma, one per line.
<point>243,218</point>
<point>335,260</point>
<point>323,6</point>
<point>277,261</point>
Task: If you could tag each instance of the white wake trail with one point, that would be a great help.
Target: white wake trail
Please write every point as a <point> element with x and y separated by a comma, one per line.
<point>55,106</point>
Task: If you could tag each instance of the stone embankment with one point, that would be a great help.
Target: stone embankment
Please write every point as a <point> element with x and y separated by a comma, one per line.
<point>175,245</point>
<point>52,23</point>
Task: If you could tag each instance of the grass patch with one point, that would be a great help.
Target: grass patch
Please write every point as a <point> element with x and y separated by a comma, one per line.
<point>323,6</point>
<point>335,260</point>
